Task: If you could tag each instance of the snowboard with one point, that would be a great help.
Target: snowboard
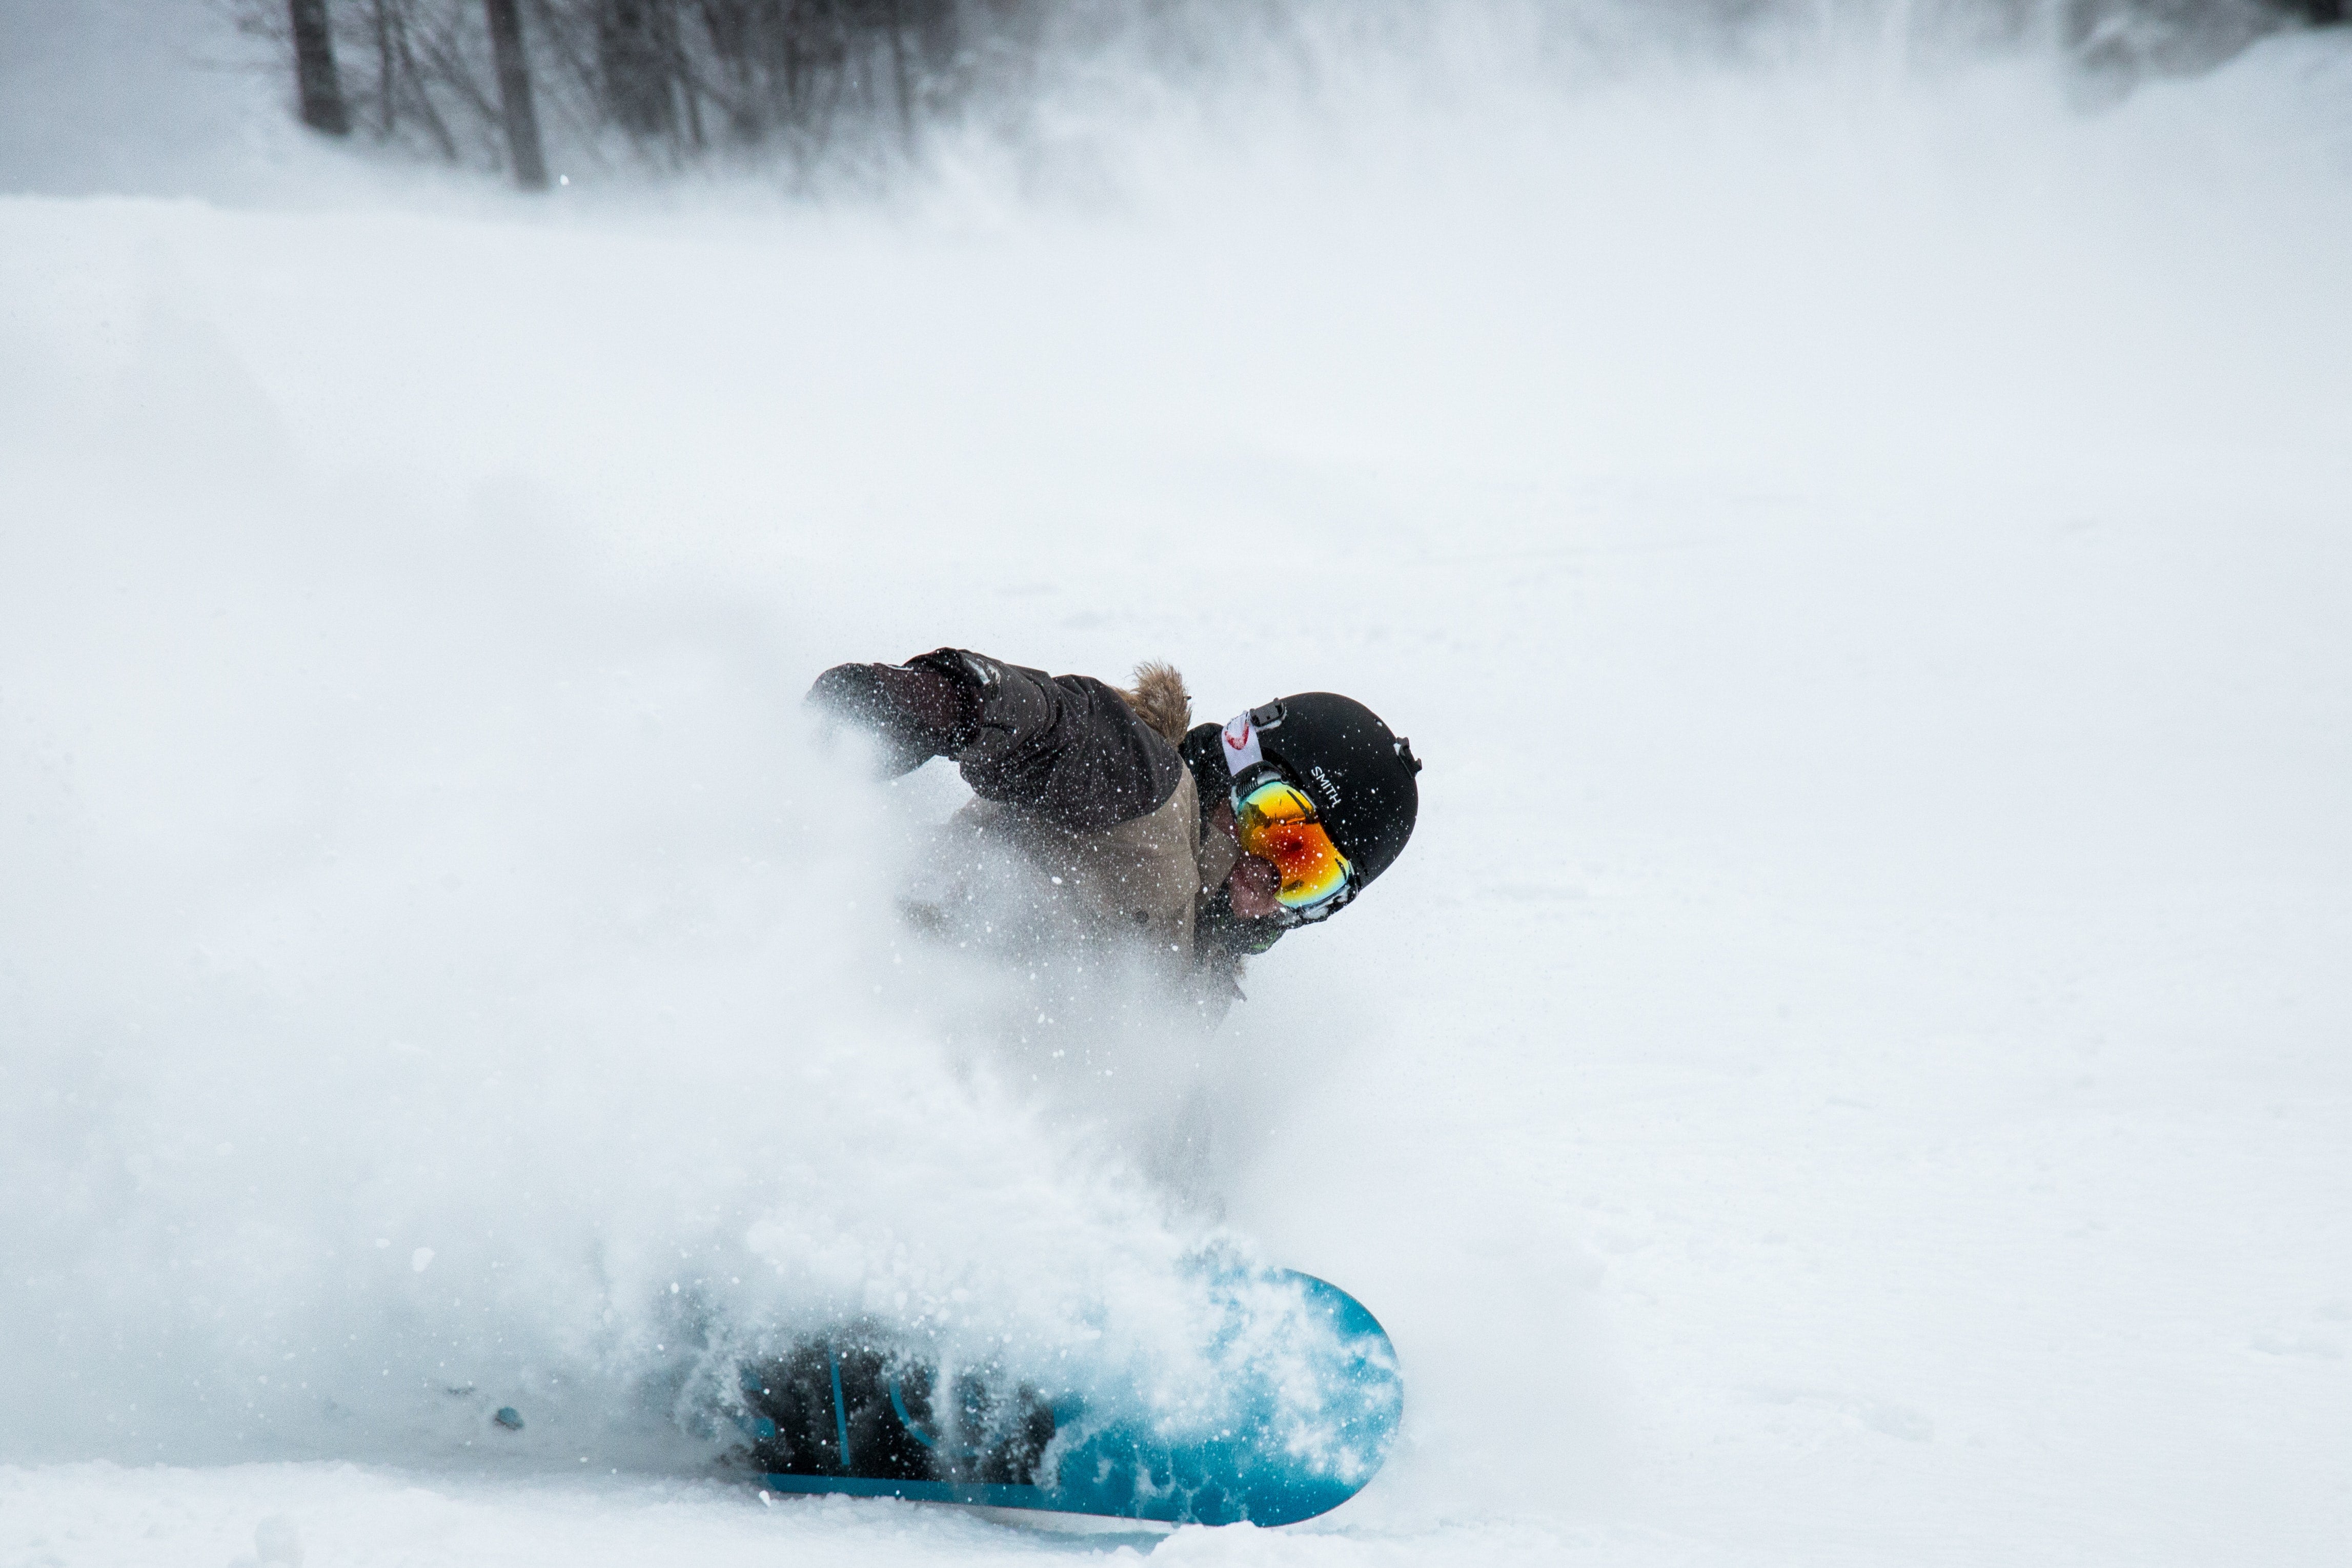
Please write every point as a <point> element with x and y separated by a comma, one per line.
<point>1302,1402</point>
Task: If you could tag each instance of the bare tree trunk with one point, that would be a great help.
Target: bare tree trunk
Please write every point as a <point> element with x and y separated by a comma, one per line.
<point>514,94</point>
<point>689,89</point>
<point>635,66</point>
<point>314,68</point>
<point>387,66</point>
<point>898,76</point>
<point>420,92</point>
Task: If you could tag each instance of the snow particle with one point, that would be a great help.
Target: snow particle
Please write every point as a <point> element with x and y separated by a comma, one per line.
<point>421,1259</point>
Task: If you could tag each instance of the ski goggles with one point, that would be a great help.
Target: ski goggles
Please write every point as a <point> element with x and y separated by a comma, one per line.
<point>1275,821</point>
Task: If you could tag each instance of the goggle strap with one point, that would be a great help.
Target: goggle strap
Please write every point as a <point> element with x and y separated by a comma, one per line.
<point>1241,744</point>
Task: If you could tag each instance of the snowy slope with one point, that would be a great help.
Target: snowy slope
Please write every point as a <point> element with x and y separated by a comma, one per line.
<point>1852,1070</point>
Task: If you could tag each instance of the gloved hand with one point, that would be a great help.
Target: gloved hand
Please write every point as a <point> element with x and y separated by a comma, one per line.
<point>915,714</point>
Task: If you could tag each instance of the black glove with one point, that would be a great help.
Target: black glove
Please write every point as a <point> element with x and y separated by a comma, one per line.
<point>915,714</point>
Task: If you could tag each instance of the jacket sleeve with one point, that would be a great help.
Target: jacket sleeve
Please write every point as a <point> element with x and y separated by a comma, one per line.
<point>1066,748</point>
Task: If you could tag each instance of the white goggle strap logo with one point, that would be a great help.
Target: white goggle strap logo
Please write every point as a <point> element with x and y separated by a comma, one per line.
<point>1240,739</point>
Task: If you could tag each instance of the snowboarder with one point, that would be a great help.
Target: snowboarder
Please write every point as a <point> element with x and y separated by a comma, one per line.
<point>1199,845</point>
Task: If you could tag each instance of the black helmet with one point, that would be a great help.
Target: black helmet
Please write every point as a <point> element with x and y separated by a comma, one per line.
<point>1360,776</point>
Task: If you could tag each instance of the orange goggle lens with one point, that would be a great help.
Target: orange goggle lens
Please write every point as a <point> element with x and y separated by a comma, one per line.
<point>1275,823</point>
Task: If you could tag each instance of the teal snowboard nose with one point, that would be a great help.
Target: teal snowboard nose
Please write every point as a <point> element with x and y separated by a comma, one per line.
<point>1309,1402</point>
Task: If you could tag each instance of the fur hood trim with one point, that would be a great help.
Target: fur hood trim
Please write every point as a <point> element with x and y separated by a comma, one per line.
<point>1159,699</point>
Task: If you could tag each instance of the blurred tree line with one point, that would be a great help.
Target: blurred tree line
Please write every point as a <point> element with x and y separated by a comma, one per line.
<point>494,80</point>
<point>491,81</point>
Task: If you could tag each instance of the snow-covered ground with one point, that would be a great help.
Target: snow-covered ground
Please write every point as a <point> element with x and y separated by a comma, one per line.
<point>1856,1066</point>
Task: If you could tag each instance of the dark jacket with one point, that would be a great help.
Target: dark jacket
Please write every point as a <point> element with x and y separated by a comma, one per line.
<point>1069,750</point>
<point>1086,782</point>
